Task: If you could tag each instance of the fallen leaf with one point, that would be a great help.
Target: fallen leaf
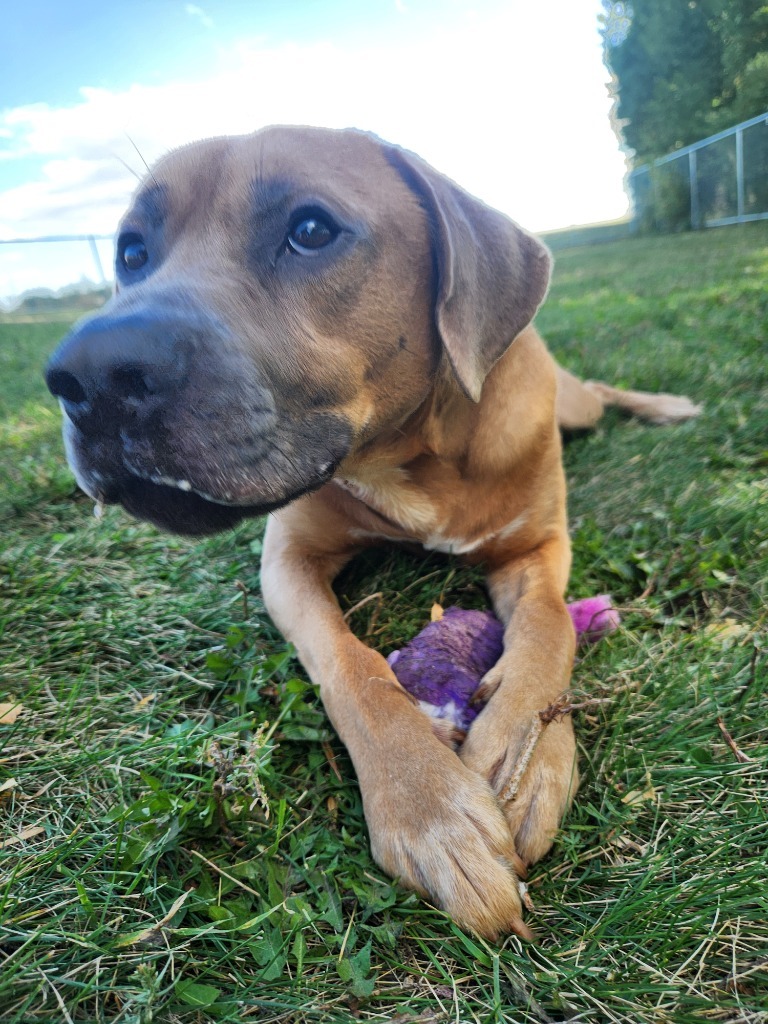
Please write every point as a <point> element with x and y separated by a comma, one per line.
<point>144,701</point>
<point>27,833</point>
<point>6,790</point>
<point>436,613</point>
<point>727,631</point>
<point>640,796</point>
<point>625,844</point>
<point>9,713</point>
<point>149,935</point>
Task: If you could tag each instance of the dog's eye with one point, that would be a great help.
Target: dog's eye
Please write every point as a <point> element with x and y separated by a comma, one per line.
<point>132,252</point>
<point>311,233</point>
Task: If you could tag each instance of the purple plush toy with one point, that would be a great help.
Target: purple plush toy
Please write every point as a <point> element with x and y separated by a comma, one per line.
<point>444,665</point>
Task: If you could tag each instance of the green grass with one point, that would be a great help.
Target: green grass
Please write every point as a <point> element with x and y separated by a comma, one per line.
<point>183,838</point>
<point>588,234</point>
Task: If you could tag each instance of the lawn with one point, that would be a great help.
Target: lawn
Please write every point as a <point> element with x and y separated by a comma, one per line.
<point>181,835</point>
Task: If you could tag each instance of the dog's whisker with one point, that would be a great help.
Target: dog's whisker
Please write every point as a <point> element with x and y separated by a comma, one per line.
<point>141,157</point>
<point>127,166</point>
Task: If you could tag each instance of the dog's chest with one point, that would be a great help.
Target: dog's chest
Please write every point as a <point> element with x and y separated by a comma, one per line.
<point>394,497</point>
<point>407,512</point>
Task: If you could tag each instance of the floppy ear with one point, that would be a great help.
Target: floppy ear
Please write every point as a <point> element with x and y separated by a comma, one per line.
<point>491,275</point>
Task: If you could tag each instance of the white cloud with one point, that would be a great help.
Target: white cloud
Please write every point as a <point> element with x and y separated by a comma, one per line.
<point>197,12</point>
<point>512,106</point>
<point>73,197</point>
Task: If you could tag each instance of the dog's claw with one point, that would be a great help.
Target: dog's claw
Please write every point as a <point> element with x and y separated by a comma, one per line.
<point>489,684</point>
<point>447,732</point>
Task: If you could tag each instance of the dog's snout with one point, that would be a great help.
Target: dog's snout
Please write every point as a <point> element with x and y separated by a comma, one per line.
<point>110,370</point>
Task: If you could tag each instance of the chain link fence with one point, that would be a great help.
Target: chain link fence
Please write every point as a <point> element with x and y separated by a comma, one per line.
<point>721,180</point>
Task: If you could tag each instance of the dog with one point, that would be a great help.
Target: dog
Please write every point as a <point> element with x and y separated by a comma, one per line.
<point>318,325</point>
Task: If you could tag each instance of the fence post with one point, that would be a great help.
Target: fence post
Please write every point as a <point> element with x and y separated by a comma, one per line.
<point>693,182</point>
<point>739,173</point>
<point>97,259</point>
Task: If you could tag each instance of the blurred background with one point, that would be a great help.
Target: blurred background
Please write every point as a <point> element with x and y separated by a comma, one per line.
<point>563,113</point>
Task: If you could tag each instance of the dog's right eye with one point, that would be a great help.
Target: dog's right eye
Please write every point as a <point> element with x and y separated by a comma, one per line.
<point>311,232</point>
<point>132,252</point>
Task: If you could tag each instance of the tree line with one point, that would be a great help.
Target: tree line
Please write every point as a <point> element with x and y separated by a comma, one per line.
<point>684,69</point>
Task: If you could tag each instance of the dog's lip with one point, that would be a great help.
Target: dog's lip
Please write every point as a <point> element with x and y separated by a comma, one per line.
<point>324,473</point>
<point>116,490</point>
<point>161,480</point>
<point>182,511</point>
<point>112,490</point>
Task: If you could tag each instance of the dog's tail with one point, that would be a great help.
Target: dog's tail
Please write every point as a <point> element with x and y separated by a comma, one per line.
<point>580,404</point>
<point>658,408</point>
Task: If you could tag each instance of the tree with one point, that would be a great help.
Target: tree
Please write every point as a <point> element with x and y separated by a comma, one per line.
<point>684,69</point>
<point>743,28</point>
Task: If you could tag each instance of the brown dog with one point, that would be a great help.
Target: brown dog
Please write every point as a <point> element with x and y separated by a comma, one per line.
<point>317,322</point>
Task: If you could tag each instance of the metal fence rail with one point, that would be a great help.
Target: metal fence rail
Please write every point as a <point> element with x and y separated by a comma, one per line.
<point>721,180</point>
<point>90,239</point>
<point>56,256</point>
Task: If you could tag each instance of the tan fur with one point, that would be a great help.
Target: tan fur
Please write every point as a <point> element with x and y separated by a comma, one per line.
<point>418,335</point>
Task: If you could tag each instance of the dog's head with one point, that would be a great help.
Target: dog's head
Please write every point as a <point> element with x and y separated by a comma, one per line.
<point>282,298</point>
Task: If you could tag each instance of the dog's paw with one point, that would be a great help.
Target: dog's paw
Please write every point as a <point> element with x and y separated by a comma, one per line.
<point>436,827</point>
<point>530,767</point>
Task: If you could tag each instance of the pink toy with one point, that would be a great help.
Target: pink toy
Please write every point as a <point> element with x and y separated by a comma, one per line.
<point>443,666</point>
<point>593,617</point>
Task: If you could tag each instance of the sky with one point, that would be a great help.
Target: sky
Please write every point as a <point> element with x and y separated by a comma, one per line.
<point>507,97</point>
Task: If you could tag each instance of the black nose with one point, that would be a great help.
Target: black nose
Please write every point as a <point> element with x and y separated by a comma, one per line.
<point>111,371</point>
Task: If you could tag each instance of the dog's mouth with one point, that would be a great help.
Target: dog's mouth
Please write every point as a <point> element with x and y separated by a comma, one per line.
<point>206,485</point>
<point>174,506</point>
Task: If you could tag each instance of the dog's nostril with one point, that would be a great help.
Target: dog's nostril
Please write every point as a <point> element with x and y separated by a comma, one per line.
<point>130,382</point>
<point>65,385</point>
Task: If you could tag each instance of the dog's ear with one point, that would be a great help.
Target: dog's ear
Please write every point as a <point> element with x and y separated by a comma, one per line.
<point>491,275</point>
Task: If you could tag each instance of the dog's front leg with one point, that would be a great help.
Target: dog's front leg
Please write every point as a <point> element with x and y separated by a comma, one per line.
<point>433,823</point>
<point>533,671</point>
